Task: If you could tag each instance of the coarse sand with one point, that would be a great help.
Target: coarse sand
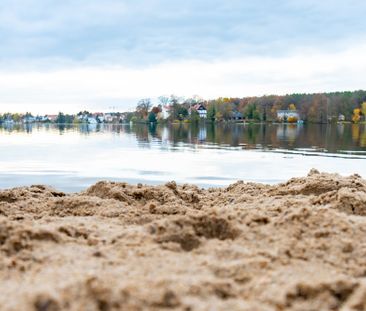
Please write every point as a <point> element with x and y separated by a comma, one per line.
<point>300,245</point>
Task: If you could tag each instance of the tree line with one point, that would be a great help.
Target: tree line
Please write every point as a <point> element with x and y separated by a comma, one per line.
<point>314,108</point>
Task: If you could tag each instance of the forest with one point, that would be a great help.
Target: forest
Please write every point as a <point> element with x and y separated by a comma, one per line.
<point>312,108</point>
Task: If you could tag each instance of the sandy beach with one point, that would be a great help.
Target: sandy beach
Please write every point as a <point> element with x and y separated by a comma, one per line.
<point>300,245</point>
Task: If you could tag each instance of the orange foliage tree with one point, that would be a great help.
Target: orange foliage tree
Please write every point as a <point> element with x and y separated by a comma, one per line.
<point>292,107</point>
<point>291,119</point>
<point>356,115</point>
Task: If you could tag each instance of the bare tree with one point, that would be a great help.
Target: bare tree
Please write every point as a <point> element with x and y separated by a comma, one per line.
<point>143,107</point>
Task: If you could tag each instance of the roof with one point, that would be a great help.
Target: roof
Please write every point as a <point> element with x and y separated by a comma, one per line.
<point>199,107</point>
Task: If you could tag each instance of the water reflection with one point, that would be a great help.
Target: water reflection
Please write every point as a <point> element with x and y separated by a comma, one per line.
<point>288,132</point>
<point>326,138</point>
<point>331,138</point>
<point>72,157</point>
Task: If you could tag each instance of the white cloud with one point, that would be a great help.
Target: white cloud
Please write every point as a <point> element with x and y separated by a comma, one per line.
<point>99,88</point>
<point>135,32</point>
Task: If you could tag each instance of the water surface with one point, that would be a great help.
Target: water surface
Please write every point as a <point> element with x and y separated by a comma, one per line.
<point>71,158</point>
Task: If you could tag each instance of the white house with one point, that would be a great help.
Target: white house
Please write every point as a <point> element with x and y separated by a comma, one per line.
<point>341,117</point>
<point>284,115</point>
<point>52,117</point>
<point>29,119</point>
<point>92,120</point>
<point>109,117</point>
<point>99,116</point>
<point>42,119</point>
<point>202,111</point>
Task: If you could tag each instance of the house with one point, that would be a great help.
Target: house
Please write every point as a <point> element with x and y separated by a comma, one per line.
<point>99,116</point>
<point>91,120</point>
<point>110,117</point>
<point>80,117</point>
<point>52,117</point>
<point>42,119</point>
<point>124,117</point>
<point>83,117</point>
<point>341,118</point>
<point>236,115</point>
<point>287,115</point>
<point>29,119</point>
<point>201,110</point>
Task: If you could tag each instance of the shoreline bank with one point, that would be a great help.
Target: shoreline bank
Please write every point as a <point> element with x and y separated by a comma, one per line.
<point>299,245</point>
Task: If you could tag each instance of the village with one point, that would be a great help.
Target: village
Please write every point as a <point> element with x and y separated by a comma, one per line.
<point>163,114</point>
<point>82,117</point>
<point>197,112</point>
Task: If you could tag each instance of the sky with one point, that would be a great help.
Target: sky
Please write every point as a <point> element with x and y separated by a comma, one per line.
<point>105,55</point>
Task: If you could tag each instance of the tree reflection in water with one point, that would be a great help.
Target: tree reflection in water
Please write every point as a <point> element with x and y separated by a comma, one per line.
<point>320,137</point>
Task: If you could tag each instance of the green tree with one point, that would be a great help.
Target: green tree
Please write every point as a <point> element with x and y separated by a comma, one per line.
<point>211,112</point>
<point>363,110</point>
<point>16,117</point>
<point>61,119</point>
<point>181,112</point>
<point>251,112</point>
<point>194,117</point>
<point>152,117</point>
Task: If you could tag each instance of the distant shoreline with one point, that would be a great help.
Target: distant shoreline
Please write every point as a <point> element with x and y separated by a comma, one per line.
<point>184,122</point>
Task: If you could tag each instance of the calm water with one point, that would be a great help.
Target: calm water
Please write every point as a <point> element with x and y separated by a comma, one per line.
<point>71,158</point>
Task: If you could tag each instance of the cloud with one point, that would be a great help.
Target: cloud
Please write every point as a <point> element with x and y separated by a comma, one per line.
<point>147,32</point>
<point>99,88</point>
<point>76,54</point>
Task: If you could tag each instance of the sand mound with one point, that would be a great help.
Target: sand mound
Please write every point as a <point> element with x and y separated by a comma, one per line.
<point>300,245</point>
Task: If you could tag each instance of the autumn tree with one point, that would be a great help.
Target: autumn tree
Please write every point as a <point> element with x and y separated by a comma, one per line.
<point>317,108</point>
<point>292,107</point>
<point>143,108</point>
<point>156,109</point>
<point>356,115</point>
<point>218,116</point>
<point>274,108</point>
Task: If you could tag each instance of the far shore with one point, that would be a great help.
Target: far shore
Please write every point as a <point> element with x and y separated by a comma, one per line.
<point>201,122</point>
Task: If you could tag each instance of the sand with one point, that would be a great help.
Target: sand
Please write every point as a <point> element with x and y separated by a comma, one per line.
<point>300,245</point>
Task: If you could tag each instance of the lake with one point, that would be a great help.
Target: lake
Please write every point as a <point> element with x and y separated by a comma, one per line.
<point>71,158</point>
